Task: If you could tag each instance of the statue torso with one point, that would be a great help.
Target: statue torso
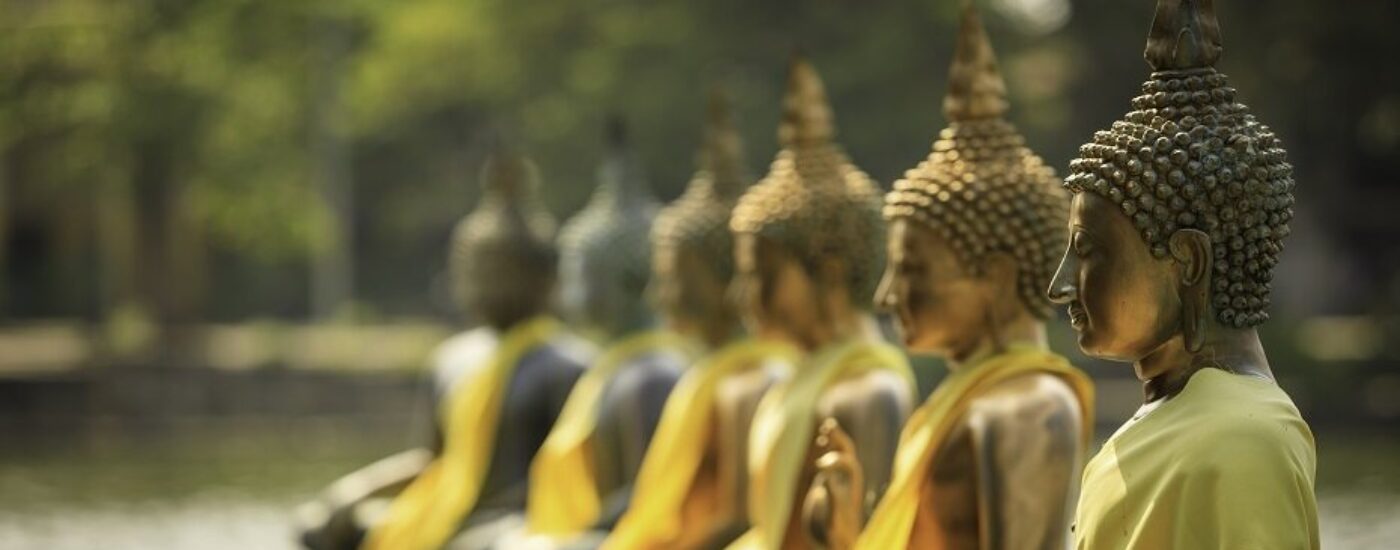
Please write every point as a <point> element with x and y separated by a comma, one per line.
<point>534,396</point>
<point>629,411</point>
<point>871,407</point>
<point>1013,458</point>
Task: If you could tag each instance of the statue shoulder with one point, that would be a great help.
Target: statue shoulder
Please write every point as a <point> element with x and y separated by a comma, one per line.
<point>872,390</point>
<point>1031,401</point>
<point>460,353</point>
<point>650,372</point>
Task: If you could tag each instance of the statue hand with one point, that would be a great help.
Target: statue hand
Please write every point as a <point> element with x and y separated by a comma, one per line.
<point>833,507</point>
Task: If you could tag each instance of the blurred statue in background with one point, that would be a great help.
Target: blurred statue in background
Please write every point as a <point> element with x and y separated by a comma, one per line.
<point>692,487</point>
<point>582,479</point>
<point>992,458</point>
<point>498,387</point>
<point>1177,222</point>
<point>808,250</point>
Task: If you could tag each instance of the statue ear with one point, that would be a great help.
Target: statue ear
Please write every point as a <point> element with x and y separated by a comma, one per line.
<point>1191,249</point>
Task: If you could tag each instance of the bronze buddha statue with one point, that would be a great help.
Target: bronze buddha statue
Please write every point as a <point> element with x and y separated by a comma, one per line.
<point>808,254</point>
<point>992,457</point>
<point>498,387</point>
<point>1177,222</point>
<point>582,479</point>
<point>692,488</point>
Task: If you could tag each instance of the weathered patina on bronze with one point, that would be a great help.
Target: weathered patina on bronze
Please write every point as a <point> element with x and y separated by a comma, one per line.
<point>975,233</point>
<point>808,254</point>
<point>1205,190</point>
<point>1177,222</point>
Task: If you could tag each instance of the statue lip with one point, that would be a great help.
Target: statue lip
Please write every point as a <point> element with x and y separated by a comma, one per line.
<point>1077,317</point>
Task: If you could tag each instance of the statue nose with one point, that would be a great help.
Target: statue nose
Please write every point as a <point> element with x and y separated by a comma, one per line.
<point>1061,290</point>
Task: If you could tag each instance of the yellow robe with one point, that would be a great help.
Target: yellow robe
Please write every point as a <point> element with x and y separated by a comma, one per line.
<point>430,510</point>
<point>655,517</point>
<point>784,426</point>
<point>893,521</point>
<point>1226,463</point>
<point>563,498</point>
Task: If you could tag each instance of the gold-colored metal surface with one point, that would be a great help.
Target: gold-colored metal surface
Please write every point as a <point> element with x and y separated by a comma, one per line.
<point>808,255</point>
<point>976,229</point>
<point>814,203</point>
<point>1177,222</point>
<point>503,253</point>
<point>693,250</point>
<point>1178,218</point>
<point>1191,157</point>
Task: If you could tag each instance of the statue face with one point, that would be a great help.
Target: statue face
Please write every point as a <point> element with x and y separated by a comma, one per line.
<point>776,295</point>
<point>1123,301</point>
<point>941,304</point>
<point>690,294</point>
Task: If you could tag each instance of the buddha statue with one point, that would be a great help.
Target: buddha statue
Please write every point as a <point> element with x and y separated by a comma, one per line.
<point>808,250</point>
<point>992,458</point>
<point>692,487</point>
<point>498,387</point>
<point>582,479</point>
<point>1177,221</point>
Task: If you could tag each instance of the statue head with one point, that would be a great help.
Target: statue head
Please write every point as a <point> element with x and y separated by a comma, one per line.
<point>692,249</point>
<point>502,260</point>
<point>605,254</point>
<point>808,236</point>
<point>977,228</point>
<point>1179,210</point>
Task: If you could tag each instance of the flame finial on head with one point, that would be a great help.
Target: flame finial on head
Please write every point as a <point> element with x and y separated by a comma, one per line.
<point>1185,35</point>
<point>722,156</point>
<point>975,86</point>
<point>807,115</point>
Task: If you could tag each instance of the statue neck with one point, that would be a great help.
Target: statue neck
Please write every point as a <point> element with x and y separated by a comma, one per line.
<point>847,324</point>
<point>1165,371</point>
<point>1023,329</point>
<point>716,333</point>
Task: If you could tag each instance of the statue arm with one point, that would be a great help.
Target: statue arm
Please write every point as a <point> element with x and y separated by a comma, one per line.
<point>638,411</point>
<point>1025,437</point>
<point>877,439</point>
<point>855,449</point>
<point>334,518</point>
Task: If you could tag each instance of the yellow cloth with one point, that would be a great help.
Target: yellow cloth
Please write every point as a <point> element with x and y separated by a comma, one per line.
<point>893,521</point>
<point>429,511</point>
<point>564,495</point>
<point>784,426</point>
<point>654,518</point>
<point>1226,463</point>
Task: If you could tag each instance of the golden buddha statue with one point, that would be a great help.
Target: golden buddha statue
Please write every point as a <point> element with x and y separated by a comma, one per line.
<point>992,458</point>
<point>808,254</point>
<point>692,488</point>
<point>1177,221</point>
<point>582,479</point>
<point>498,387</point>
